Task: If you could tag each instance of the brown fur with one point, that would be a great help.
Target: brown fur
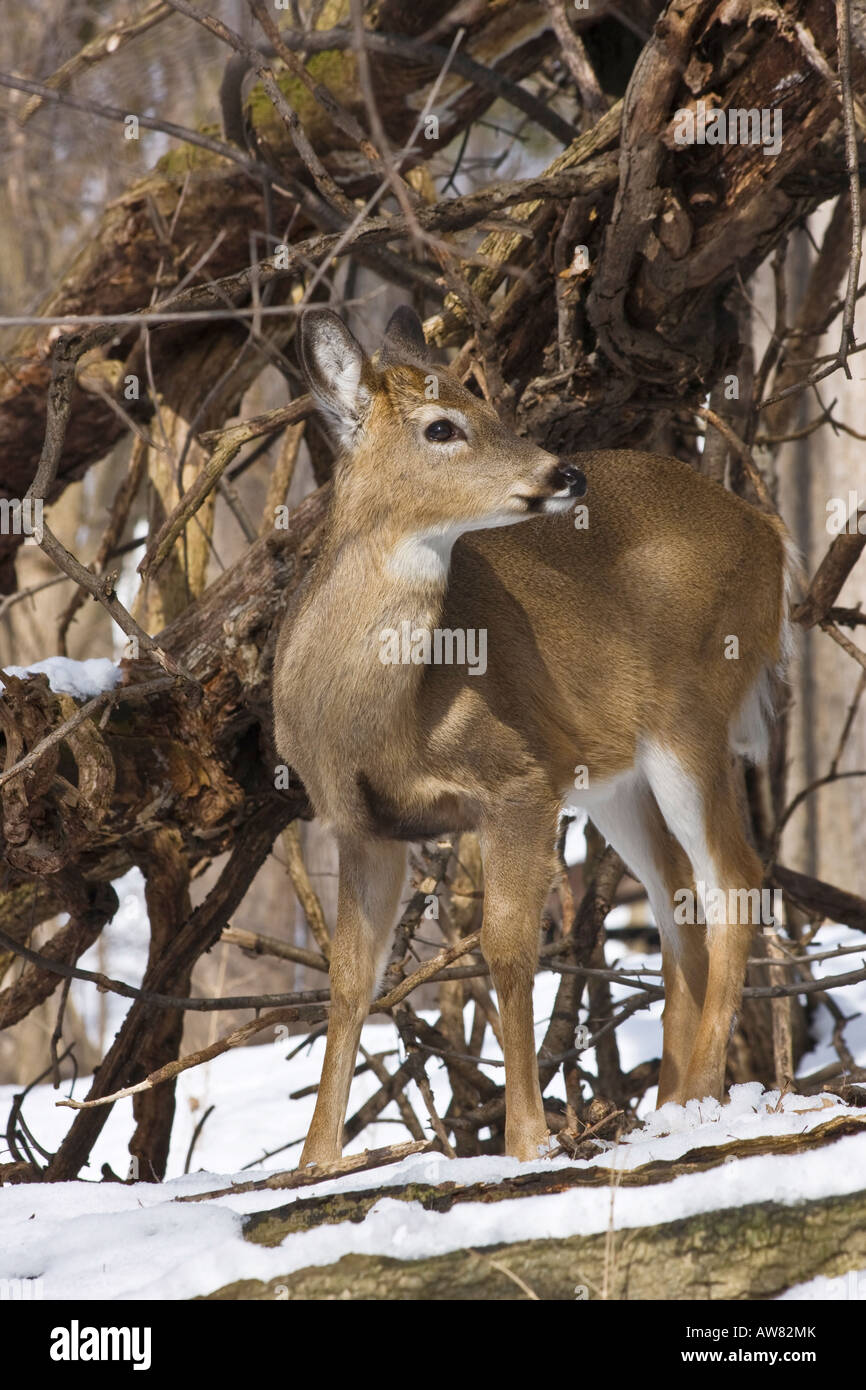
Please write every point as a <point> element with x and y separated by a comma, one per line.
<point>598,641</point>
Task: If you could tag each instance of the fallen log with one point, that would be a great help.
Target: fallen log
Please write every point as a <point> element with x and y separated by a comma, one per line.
<point>273,1226</point>
<point>750,1252</point>
<point>756,1251</point>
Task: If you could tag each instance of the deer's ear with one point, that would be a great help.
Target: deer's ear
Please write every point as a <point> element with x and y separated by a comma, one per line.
<point>404,339</point>
<point>335,366</point>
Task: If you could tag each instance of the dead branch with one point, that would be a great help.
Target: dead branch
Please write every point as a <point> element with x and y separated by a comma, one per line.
<point>319,1172</point>
<point>106,43</point>
<point>843,29</point>
<point>261,945</point>
<point>307,896</point>
<point>104,700</point>
<point>841,557</point>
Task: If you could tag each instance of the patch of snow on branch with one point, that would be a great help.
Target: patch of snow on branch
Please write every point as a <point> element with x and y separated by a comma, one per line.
<point>81,679</point>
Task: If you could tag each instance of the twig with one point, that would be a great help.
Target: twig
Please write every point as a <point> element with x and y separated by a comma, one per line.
<point>307,896</point>
<point>236,1038</point>
<point>780,1009</point>
<point>310,999</point>
<point>819,898</point>
<point>65,353</point>
<point>9,600</point>
<point>406,196</point>
<point>413,912</point>
<point>778,335</point>
<point>195,1134</point>
<point>847,617</point>
<point>807,791</point>
<point>138,317</point>
<point>849,722</point>
<point>844,642</point>
<point>402,46</point>
<point>426,972</point>
<point>214,299</point>
<point>743,452</point>
<point>233,501</point>
<point>320,1172</point>
<point>115,113</point>
<point>262,945</point>
<point>301,141</point>
<point>16,1118</point>
<point>841,557</point>
<point>391,1088</point>
<point>853,977</point>
<point>477,74</point>
<point>843,44</point>
<point>228,445</point>
<point>825,418</point>
<point>830,364</point>
<point>415,1062</point>
<point>791,962</point>
<point>343,119</point>
<point>57,1035</point>
<point>577,62</point>
<point>387,1080</point>
<point>589,1130</point>
<point>117,520</point>
<point>281,477</point>
<point>106,43</point>
<point>504,1269</point>
<point>410,224</point>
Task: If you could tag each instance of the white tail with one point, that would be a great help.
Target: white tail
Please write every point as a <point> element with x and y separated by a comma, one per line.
<point>628,649</point>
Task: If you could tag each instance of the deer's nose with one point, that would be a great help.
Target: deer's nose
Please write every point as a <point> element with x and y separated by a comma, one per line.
<point>572,478</point>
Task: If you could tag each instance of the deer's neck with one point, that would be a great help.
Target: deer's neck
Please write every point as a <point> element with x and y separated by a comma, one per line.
<point>353,641</point>
<point>368,585</point>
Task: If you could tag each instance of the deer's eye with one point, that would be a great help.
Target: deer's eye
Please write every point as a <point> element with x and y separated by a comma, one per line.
<point>442,432</point>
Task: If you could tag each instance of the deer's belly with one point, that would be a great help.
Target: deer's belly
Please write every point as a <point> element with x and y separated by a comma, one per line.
<point>418,817</point>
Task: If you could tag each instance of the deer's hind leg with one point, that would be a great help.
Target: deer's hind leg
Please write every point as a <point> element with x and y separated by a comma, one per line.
<point>630,820</point>
<point>699,804</point>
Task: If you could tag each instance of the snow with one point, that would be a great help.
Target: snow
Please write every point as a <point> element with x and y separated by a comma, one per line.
<point>96,1240</point>
<point>121,952</point>
<point>851,1286</point>
<point>83,679</point>
<point>93,1240</point>
<point>852,999</point>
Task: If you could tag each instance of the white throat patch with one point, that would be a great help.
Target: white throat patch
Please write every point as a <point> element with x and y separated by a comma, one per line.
<point>426,556</point>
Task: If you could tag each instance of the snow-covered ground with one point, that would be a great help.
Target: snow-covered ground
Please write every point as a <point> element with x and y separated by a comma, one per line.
<point>92,1240</point>
<point>95,1240</point>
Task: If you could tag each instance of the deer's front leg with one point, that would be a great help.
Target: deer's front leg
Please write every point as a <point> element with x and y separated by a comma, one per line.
<point>372,874</point>
<point>518,868</point>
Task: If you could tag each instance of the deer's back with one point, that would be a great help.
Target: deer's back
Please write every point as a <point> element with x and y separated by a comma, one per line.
<point>596,635</point>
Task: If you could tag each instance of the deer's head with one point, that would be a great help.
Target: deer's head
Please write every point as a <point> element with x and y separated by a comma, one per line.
<point>420,452</point>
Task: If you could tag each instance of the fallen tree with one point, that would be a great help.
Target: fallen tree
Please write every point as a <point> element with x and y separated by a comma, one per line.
<point>753,1251</point>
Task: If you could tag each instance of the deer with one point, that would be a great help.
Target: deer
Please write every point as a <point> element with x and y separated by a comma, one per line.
<point>608,650</point>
